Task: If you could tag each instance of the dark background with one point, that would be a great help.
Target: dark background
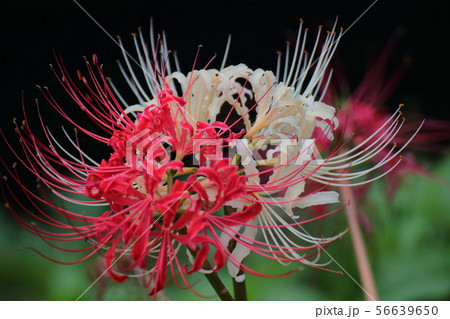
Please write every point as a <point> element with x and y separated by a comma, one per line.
<point>31,29</point>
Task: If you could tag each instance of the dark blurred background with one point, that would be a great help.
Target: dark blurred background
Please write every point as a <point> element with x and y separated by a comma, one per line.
<point>30,30</point>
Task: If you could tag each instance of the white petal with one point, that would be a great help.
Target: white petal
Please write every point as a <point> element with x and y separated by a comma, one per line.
<point>241,251</point>
<point>320,198</point>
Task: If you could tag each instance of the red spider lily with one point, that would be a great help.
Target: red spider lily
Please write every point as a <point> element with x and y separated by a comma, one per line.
<point>139,222</point>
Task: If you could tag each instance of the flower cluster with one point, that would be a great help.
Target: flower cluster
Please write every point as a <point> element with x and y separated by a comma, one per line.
<point>214,163</point>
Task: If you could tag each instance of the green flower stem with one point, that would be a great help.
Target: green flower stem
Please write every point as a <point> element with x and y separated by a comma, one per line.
<point>213,277</point>
<point>365,271</point>
<point>170,175</point>
<point>217,284</point>
<point>214,280</point>
<point>240,288</point>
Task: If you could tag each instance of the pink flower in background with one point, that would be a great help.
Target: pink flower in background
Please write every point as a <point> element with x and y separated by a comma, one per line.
<point>364,110</point>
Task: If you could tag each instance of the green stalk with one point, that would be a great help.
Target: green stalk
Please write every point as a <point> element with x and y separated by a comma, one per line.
<point>240,288</point>
<point>214,279</point>
<point>362,259</point>
<point>170,174</point>
<point>217,284</point>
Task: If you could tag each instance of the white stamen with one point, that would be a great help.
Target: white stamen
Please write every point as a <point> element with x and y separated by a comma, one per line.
<point>225,56</point>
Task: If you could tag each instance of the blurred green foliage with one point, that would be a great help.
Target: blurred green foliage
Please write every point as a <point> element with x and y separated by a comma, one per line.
<point>409,250</point>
